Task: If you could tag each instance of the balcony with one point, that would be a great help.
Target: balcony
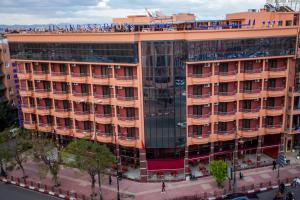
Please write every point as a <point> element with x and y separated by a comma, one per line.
<point>80,77</point>
<point>29,125</point>
<point>44,127</point>
<point>127,121</point>
<point>61,95</point>
<point>249,132</point>
<point>41,75</point>
<point>127,141</point>
<point>127,81</point>
<point>44,110</point>
<point>250,94</point>
<point>226,116</point>
<point>296,111</point>
<point>253,74</point>
<point>199,78</point>
<point>62,113</point>
<point>225,135</point>
<point>28,108</point>
<point>198,99</point>
<point>226,96</point>
<point>127,101</point>
<point>275,72</point>
<point>199,119</point>
<point>273,129</point>
<point>250,113</point>
<point>63,130</point>
<point>274,110</point>
<point>104,99</point>
<point>82,115</point>
<point>102,79</point>
<point>83,133</point>
<point>80,96</point>
<point>26,92</point>
<point>226,76</point>
<point>274,91</point>
<point>198,139</point>
<point>104,137</point>
<point>23,75</point>
<point>104,118</point>
<point>59,76</point>
<point>42,93</point>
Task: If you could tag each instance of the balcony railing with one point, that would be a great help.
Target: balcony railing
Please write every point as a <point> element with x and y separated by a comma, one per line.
<point>102,76</point>
<point>59,73</point>
<point>29,122</point>
<point>226,93</point>
<point>122,137</point>
<point>229,73</point>
<point>60,92</point>
<point>225,113</point>
<point>83,131</point>
<point>253,91</point>
<point>273,126</point>
<point>45,124</point>
<point>82,112</point>
<point>64,127</point>
<point>44,107</point>
<point>249,129</point>
<point>201,136</point>
<point>103,133</point>
<point>63,109</point>
<point>275,88</point>
<point>226,132</point>
<point>40,72</point>
<point>101,96</point>
<point>79,74</point>
<point>101,115</point>
<point>198,96</point>
<point>276,69</point>
<point>203,75</point>
<point>22,71</point>
<point>251,71</point>
<point>126,98</point>
<point>81,94</point>
<point>42,90</point>
<point>125,118</point>
<point>273,107</point>
<point>126,77</point>
<point>245,110</point>
<point>199,116</point>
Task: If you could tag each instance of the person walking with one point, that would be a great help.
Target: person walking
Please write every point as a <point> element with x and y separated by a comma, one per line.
<point>109,180</point>
<point>163,187</point>
<point>274,164</point>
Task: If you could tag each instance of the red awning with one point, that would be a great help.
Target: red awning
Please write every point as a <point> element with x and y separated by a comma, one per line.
<point>165,165</point>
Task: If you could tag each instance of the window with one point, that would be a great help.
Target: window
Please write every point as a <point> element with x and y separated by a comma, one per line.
<point>105,90</point>
<point>63,68</point>
<point>271,83</point>
<point>272,64</point>
<point>44,67</point>
<point>247,86</point>
<point>86,125</point>
<point>280,23</point>
<point>128,71</point>
<point>46,86</point>
<point>129,92</point>
<point>33,118</point>
<point>288,22</point>
<point>49,119</point>
<point>197,90</point>
<point>197,70</point>
<point>246,123</point>
<point>197,110</point>
<point>197,131</point>
<point>48,103</point>
<point>66,105</point>
<point>222,107</point>
<point>84,88</point>
<point>130,112</point>
<point>108,128</point>
<point>30,86</point>
<point>107,110</point>
<point>31,101</point>
<point>270,102</point>
<point>247,104</point>
<point>248,66</point>
<point>64,87</point>
<point>8,77</point>
<point>83,69</point>
<point>222,127</point>
<point>223,87</point>
<point>104,70</point>
<point>85,107</point>
<point>67,122</point>
<point>223,67</point>
<point>131,132</point>
<point>269,121</point>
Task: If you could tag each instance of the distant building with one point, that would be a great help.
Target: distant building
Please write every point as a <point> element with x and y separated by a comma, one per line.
<point>169,99</point>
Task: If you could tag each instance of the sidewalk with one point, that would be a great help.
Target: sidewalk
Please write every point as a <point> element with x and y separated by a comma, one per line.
<point>74,180</point>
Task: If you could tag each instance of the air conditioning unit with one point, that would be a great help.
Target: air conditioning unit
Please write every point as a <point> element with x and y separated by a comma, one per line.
<point>265,99</point>
<point>75,83</point>
<point>217,84</point>
<point>110,67</point>
<point>73,65</point>
<point>120,88</point>
<point>38,81</point>
<point>111,87</point>
<point>217,64</point>
<point>207,105</point>
<point>258,61</point>
<point>216,104</point>
<point>207,65</point>
<point>118,67</point>
<point>206,85</point>
<point>35,63</point>
<point>257,80</point>
<point>267,61</point>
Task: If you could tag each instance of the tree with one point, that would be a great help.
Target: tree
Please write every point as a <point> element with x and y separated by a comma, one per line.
<point>8,115</point>
<point>5,154</point>
<point>88,156</point>
<point>45,152</point>
<point>218,168</point>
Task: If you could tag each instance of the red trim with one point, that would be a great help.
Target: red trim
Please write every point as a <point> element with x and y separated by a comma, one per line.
<point>165,165</point>
<point>198,157</point>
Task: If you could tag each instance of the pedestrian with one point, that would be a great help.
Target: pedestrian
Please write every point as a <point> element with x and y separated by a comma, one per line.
<point>282,188</point>
<point>290,196</point>
<point>109,180</point>
<point>274,164</point>
<point>163,187</point>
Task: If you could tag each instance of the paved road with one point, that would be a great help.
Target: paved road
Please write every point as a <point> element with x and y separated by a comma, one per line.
<point>11,192</point>
<point>270,195</point>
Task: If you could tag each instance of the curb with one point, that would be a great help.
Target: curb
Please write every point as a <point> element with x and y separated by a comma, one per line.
<point>40,190</point>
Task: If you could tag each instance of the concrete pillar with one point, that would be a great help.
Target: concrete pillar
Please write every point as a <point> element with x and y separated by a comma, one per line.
<point>143,165</point>
<point>186,161</point>
<point>259,151</point>
<point>212,151</point>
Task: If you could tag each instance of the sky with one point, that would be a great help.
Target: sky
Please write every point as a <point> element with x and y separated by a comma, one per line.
<point>102,11</point>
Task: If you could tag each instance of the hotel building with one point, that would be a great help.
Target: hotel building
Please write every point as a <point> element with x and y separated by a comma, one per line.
<point>168,100</point>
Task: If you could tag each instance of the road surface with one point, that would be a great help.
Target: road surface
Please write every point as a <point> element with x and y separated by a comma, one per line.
<point>271,194</point>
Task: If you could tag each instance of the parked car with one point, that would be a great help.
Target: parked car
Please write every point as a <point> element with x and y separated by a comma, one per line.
<point>240,196</point>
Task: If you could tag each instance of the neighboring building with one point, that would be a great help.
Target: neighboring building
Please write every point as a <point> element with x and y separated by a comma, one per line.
<point>7,80</point>
<point>169,100</point>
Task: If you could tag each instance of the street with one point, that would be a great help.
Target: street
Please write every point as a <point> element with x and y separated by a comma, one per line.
<point>11,192</point>
<point>271,194</point>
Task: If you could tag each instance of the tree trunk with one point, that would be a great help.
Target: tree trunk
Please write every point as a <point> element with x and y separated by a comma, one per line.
<point>99,183</point>
<point>93,181</point>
